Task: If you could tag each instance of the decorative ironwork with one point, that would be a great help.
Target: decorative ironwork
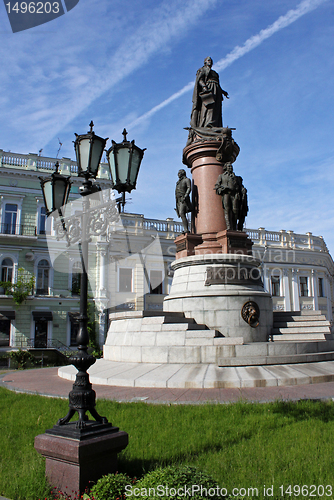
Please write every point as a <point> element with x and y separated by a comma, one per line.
<point>98,219</point>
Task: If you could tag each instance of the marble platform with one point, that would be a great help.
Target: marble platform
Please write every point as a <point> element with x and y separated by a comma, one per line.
<point>187,375</point>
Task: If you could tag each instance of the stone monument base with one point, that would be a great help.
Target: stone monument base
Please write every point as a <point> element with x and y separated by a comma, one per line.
<point>215,290</point>
<point>77,457</point>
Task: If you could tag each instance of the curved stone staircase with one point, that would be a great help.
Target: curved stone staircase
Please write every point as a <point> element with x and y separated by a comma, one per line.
<point>156,349</point>
<point>147,337</point>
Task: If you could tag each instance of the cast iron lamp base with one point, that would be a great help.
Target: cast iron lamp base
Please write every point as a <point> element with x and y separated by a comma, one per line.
<point>82,397</point>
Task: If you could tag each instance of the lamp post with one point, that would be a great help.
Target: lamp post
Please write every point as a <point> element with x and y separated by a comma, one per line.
<point>124,161</point>
<point>89,149</point>
<point>82,451</point>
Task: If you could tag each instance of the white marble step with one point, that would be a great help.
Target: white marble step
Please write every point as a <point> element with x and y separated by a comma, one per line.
<point>205,334</point>
<point>299,324</point>
<point>295,337</point>
<point>202,375</point>
<point>180,327</point>
<point>303,330</point>
<point>304,312</point>
<point>277,360</point>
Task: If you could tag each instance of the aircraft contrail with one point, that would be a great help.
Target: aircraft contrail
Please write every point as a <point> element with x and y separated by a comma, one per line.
<point>254,41</point>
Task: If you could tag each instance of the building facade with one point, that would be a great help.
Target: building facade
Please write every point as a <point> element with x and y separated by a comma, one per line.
<point>129,267</point>
<point>297,270</point>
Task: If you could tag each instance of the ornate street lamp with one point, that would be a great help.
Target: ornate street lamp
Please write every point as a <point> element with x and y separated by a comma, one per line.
<point>91,446</point>
<point>56,190</point>
<point>88,148</point>
<point>124,162</point>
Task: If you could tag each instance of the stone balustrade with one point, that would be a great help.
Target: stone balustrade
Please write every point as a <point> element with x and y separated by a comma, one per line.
<point>38,163</point>
<point>261,237</point>
<point>168,228</point>
<point>287,239</point>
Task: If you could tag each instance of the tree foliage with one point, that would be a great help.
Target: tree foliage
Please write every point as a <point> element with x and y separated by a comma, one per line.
<point>21,289</point>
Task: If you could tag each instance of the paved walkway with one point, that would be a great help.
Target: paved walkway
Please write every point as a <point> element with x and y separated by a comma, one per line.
<point>45,381</point>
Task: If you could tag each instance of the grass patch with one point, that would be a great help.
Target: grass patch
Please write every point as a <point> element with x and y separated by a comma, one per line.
<point>241,445</point>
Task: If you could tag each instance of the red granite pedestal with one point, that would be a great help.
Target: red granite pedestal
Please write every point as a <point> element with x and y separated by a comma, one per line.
<point>208,217</point>
<point>234,242</point>
<point>73,462</point>
<point>208,222</point>
<point>186,243</point>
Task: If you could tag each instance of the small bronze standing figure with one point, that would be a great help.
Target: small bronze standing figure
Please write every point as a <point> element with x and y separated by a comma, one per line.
<point>182,199</point>
<point>234,198</point>
<point>243,208</point>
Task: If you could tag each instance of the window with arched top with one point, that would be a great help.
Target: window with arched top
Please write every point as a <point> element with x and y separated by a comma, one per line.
<point>7,269</point>
<point>43,275</point>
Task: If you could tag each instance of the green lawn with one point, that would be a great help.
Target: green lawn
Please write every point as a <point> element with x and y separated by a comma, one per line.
<point>241,445</point>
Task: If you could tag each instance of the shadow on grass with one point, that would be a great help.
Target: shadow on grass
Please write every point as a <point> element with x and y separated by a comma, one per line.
<point>305,410</point>
<point>292,412</point>
<point>136,467</point>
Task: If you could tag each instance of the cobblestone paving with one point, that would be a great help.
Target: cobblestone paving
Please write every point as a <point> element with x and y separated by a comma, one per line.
<point>45,382</point>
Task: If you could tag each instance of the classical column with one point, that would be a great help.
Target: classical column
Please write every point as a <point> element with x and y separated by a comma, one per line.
<point>266,282</point>
<point>286,290</point>
<point>295,290</point>
<point>315,290</point>
<point>329,297</point>
<point>102,327</point>
<point>102,262</point>
<point>141,285</point>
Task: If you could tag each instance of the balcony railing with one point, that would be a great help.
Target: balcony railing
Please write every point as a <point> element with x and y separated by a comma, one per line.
<point>48,344</point>
<point>18,229</point>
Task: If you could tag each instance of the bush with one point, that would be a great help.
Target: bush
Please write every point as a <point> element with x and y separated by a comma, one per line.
<point>22,358</point>
<point>110,487</point>
<point>182,477</point>
<point>21,289</point>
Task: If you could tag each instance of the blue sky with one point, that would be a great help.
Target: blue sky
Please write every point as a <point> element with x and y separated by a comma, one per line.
<point>117,61</point>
